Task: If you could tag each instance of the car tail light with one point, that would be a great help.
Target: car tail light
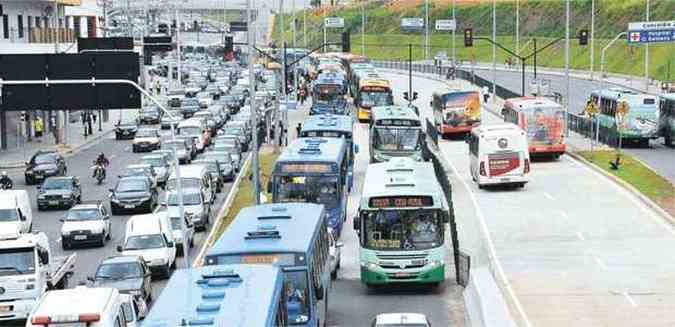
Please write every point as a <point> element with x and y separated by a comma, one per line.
<point>482,169</point>
<point>40,320</point>
<point>527,166</point>
<point>90,317</point>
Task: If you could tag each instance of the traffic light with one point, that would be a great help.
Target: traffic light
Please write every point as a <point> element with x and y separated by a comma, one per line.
<point>346,42</point>
<point>583,37</point>
<point>468,37</point>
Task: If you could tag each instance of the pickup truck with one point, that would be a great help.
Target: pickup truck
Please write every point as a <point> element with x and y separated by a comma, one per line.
<point>27,270</point>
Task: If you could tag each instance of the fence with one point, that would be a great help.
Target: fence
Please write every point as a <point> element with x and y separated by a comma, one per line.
<point>588,127</point>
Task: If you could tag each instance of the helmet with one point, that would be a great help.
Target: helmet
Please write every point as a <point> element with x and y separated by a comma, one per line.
<point>101,154</point>
<point>4,174</point>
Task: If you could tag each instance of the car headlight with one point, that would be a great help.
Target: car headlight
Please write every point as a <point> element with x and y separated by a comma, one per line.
<point>158,262</point>
<point>29,171</point>
<point>41,196</point>
<point>65,233</point>
<point>65,196</point>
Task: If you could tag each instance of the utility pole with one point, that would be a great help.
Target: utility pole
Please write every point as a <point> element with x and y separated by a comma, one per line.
<point>592,36</point>
<point>295,71</point>
<point>363,28</point>
<point>179,65</point>
<point>304,22</point>
<point>282,48</point>
<point>567,64</point>
<point>647,54</point>
<point>494,50</point>
<point>426,30</point>
<point>254,107</point>
<point>324,29</point>
<point>454,53</point>
<point>518,27</point>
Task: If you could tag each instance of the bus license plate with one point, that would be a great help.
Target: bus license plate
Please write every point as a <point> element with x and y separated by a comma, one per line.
<point>5,308</point>
<point>402,274</point>
<point>53,203</point>
<point>80,237</point>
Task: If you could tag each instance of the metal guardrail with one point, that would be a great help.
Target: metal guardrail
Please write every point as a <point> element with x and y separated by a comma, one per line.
<point>588,128</point>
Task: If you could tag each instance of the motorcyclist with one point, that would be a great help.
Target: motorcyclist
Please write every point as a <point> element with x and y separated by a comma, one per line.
<point>6,182</point>
<point>101,162</point>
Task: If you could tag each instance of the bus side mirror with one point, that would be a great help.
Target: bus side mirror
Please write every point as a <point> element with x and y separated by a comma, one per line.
<point>269,187</point>
<point>319,292</point>
<point>44,256</point>
<point>357,223</point>
<point>467,138</point>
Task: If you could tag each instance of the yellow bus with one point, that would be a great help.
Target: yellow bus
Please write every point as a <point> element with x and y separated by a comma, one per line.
<point>372,93</point>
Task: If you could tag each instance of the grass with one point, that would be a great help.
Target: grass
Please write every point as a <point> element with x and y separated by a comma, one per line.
<point>541,19</point>
<point>245,194</point>
<point>635,173</point>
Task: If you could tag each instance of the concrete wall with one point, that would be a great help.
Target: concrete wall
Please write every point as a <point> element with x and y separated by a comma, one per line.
<point>485,306</point>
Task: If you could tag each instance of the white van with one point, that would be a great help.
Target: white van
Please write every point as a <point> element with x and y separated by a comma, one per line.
<point>81,306</point>
<point>16,214</point>
<point>197,213</point>
<point>499,155</point>
<point>196,177</point>
<point>151,237</point>
<point>194,127</point>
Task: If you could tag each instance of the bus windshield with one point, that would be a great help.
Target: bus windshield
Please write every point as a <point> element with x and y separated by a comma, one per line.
<point>297,296</point>
<point>545,125</point>
<point>313,189</point>
<point>403,229</point>
<point>396,139</point>
<point>374,98</point>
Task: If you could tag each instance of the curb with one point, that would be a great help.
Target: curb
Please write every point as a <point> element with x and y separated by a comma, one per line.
<point>644,199</point>
<point>67,153</point>
<point>198,261</point>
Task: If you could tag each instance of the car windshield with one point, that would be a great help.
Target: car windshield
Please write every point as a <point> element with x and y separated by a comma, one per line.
<point>136,172</point>
<point>176,223</point>
<point>17,261</point>
<point>190,130</point>
<point>150,111</point>
<point>8,215</point>
<point>82,214</point>
<point>178,145</point>
<point>397,139</point>
<point>185,183</point>
<point>402,229</point>
<point>131,186</point>
<point>297,296</point>
<point>155,162</point>
<point>189,199</point>
<point>374,99</point>
<point>57,184</point>
<point>146,133</point>
<point>127,270</point>
<point>211,166</point>
<point>141,242</point>
<point>44,159</point>
<point>312,189</point>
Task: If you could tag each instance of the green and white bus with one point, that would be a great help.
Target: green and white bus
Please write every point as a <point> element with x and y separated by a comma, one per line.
<point>667,117</point>
<point>401,224</point>
<point>395,131</point>
<point>639,125</point>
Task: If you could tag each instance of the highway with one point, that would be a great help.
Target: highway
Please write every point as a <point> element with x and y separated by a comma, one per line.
<point>88,258</point>
<point>658,156</point>
<point>351,303</point>
<point>577,249</point>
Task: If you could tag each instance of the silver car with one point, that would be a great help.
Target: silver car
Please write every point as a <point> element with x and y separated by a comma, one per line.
<point>161,166</point>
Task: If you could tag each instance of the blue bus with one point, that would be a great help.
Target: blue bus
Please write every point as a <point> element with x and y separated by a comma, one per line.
<point>292,236</point>
<point>222,295</point>
<point>314,170</point>
<point>640,124</point>
<point>335,107</point>
<point>329,87</point>
<point>336,126</point>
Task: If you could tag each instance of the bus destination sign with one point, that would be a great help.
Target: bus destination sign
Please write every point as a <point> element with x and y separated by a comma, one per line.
<point>401,202</point>
<point>306,168</point>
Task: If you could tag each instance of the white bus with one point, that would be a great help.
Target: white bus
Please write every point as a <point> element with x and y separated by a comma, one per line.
<point>499,155</point>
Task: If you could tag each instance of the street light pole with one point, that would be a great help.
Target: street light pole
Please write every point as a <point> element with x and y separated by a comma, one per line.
<point>254,107</point>
<point>647,54</point>
<point>304,22</point>
<point>518,27</point>
<point>454,53</point>
<point>494,50</point>
<point>426,30</point>
<point>602,78</point>
<point>567,64</point>
<point>363,28</point>
<point>592,37</point>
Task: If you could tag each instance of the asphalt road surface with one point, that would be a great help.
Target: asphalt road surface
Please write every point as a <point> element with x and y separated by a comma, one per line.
<point>577,249</point>
<point>88,258</point>
<point>658,157</point>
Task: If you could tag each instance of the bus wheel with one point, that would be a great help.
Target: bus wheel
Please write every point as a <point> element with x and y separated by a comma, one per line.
<point>668,139</point>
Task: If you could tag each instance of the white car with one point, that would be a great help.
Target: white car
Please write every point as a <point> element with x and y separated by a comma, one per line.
<point>205,100</point>
<point>334,253</point>
<point>150,236</point>
<point>146,139</point>
<point>182,230</point>
<point>401,320</point>
<point>87,223</point>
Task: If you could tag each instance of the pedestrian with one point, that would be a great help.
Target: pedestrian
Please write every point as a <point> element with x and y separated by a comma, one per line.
<point>38,127</point>
<point>298,129</point>
<point>301,95</point>
<point>93,115</point>
<point>486,94</point>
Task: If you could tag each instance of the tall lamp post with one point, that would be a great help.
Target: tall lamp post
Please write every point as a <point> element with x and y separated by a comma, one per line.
<point>254,108</point>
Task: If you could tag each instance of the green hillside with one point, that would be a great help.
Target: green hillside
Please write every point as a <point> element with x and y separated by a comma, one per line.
<point>543,20</point>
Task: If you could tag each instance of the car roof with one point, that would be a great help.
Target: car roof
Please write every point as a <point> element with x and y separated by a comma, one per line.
<point>75,301</point>
<point>401,318</point>
<point>86,206</point>
<point>59,177</point>
<point>121,259</point>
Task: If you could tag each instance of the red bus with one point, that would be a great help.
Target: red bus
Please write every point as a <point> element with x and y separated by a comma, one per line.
<point>456,112</point>
<point>544,121</point>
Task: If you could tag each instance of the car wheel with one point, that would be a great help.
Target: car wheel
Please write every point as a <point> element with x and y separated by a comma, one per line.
<point>108,237</point>
<point>102,242</point>
<point>192,242</point>
<point>40,208</point>
<point>113,210</point>
<point>65,245</point>
<point>29,181</point>
<point>79,198</point>
<point>117,136</point>
<point>133,149</point>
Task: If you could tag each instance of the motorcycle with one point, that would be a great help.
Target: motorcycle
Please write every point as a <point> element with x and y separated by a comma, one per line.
<point>99,173</point>
<point>6,185</point>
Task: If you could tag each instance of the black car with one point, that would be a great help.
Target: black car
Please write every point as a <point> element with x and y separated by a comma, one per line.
<point>59,192</point>
<point>44,164</point>
<point>126,130</point>
<point>150,115</point>
<point>133,194</point>
<point>127,273</point>
<point>189,107</point>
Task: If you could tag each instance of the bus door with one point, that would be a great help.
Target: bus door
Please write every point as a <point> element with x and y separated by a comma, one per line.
<point>301,298</point>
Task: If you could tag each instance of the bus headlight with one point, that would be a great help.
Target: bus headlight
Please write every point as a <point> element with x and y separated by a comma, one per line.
<point>435,263</point>
<point>372,266</point>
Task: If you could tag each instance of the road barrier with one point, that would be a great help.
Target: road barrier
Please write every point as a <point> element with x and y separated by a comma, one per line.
<point>587,127</point>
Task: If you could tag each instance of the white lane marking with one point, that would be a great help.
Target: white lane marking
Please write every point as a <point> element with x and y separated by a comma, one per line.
<point>549,196</point>
<point>581,236</point>
<point>629,298</point>
<point>491,246</point>
<point>656,218</point>
<point>600,263</point>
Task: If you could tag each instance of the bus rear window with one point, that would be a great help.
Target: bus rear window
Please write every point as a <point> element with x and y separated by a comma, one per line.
<point>649,101</point>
